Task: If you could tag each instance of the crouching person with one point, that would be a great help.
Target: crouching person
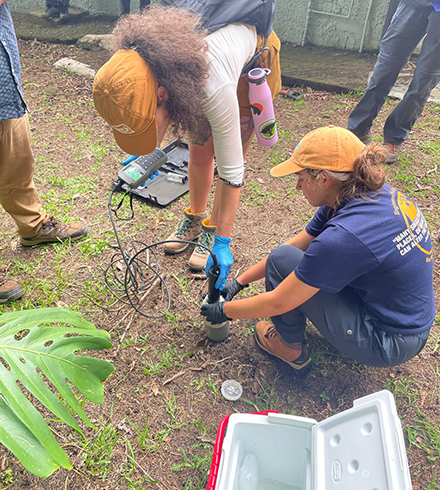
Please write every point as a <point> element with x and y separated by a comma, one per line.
<point>361,270</point>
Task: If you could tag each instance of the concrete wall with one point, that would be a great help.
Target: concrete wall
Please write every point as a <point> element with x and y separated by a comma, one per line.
<point>291,19</point>
<point>332,30</point>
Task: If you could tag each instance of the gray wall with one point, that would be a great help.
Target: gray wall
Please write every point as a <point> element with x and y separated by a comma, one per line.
<point>331,30</point>
<point>290,21</point>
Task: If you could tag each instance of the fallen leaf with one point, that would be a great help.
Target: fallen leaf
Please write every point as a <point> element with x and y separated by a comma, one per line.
<point>392,375</point>
<point>155,390</point>
<point>255,388</point>
<point>159,219</point>
<point>423,398</point>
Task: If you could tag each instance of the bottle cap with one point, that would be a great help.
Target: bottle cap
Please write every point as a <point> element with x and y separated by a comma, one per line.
<point>231,389</point>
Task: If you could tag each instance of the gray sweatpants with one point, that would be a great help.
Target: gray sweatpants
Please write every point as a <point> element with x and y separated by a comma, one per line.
<point>341,318</point>
<point>407,28</point>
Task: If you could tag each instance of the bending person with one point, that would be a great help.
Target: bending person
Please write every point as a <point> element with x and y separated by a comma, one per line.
<point>361,270</point>
<point>167,70</point>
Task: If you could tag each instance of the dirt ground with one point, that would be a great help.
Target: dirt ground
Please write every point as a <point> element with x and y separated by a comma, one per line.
<point>163,402</point>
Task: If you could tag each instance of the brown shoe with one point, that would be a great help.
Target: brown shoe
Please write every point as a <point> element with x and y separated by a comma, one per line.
<point>199,257</point>
<point>10,290</point>
<point>188,228</point>
<point>393,152</point>
<point>268,339</point>
<point>56,231</point>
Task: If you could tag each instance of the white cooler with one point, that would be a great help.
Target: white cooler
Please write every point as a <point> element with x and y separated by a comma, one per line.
<point>359,449</point>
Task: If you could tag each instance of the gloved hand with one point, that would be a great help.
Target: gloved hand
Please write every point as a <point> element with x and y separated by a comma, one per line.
<point>132,158</point>
<point>225,260</point>
<point>214,312</point>
<point>232,288</point>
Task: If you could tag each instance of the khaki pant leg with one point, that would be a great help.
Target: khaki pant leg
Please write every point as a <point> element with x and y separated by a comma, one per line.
<point>18,195</point>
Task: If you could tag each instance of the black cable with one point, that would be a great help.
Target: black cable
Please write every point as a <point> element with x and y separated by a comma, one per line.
<point>135,281</point>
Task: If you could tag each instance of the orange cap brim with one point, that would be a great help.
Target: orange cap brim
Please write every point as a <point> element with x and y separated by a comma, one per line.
<point>140,143</point>
<point>285,168</point>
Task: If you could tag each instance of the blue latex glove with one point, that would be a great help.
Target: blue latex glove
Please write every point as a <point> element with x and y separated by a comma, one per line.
<point>132,158</point>
<point>223,252</point>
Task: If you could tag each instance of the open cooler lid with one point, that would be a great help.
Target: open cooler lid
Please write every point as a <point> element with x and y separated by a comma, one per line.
<point>361,448</point>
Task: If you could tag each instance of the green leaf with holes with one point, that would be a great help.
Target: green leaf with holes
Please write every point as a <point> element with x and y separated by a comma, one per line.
<point>39,360</point>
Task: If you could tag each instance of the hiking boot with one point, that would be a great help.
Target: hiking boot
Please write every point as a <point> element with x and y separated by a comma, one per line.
<point>10,290</point>
<point>188,228</point>
<point>393,152</point>
<point>366,139</point>
<point>200,256</point>
<point>56,231</point>
<point>297,356</point>
<point>64,13</point>
<point>51,13</point>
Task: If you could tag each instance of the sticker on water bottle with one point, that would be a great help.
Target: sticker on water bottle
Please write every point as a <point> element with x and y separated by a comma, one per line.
<point>268,129</point>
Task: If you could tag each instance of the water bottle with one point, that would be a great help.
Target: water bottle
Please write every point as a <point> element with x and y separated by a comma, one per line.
<point>260,98</point>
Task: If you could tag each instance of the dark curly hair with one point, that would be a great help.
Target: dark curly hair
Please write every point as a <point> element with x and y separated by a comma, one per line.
<point>173,44</point>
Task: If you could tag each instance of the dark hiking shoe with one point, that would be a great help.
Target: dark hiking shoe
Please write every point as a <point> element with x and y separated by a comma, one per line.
<point>56,231</point>
<point>10,290</point>
<point>393,152</point>
<point>64,13</point>
<point>268,339</point>
<point>51,13</point>
<point>366,139</point>
<point>188,228</point>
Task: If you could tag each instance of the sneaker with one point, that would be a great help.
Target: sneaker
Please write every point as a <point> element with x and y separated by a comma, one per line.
<point>188,228</point>
<point>268,339</point>
<point>200,256</point>
<point>366,139</point>
<point>51,13</point>
<point>393,152</point>
<point>56,231</point>
<point>10,290</point>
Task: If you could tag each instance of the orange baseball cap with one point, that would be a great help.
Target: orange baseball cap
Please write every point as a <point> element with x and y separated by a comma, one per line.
<point>125,94</point>
<point>330,148</point>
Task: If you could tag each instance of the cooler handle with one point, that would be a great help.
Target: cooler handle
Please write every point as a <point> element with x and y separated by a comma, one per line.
<point>215,462</point>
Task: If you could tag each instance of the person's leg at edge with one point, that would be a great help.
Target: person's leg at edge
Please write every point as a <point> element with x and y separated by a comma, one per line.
<point>426,77</point>
<point>124,7</point>
<point>18,194</point>
<point>143,4</point>
<point>407,28</point>
<point>341,319</point>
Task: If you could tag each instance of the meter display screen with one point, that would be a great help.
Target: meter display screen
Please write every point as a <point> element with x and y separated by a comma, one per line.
<point>132,172</point>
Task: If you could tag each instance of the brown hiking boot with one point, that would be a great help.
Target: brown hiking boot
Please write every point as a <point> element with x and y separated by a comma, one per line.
<point>199,257</point>
<point>393,152</point>
<point>56,231</point>
<point>10,290</point>
<point>188,228</point>
<point>268,339</point>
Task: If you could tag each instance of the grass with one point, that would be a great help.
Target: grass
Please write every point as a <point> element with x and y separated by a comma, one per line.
<point>165,440</point>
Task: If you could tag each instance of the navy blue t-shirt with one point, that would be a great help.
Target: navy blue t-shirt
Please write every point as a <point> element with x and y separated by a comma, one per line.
<point>381,248</point>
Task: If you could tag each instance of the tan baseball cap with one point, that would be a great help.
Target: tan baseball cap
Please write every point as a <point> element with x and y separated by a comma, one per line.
<point>125,94</point>
<point>330,148</point>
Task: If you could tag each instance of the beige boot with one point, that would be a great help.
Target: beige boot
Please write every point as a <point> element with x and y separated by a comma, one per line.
<point>199,257</point>
<point>188,228</point>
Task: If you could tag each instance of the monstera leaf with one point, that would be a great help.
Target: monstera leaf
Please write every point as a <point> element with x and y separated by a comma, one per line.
<point>38,359</point>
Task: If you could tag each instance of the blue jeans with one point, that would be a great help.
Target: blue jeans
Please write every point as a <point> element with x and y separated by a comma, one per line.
<point>124,6</point>
<point>341,318</point>
<point>407,28</point>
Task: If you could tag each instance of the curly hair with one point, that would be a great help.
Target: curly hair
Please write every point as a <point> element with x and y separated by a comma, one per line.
<point>368,175</point>
<point>173,44</point>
